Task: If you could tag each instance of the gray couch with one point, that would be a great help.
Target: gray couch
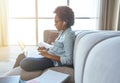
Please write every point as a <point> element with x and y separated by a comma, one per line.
<point>96,58</point>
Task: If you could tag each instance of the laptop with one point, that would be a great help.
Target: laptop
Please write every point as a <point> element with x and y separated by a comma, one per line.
<point>29,52</point>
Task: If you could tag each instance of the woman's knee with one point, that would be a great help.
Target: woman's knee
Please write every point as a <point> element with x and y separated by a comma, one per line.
<point>25,64</point>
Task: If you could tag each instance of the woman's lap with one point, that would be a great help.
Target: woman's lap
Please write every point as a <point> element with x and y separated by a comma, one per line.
<point>32,64</point>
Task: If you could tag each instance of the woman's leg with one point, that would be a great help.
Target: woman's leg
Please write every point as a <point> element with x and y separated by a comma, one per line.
<point>18,60</point>
<point>33,64</point>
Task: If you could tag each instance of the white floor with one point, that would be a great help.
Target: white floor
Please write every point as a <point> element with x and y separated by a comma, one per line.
<point>8,57</point>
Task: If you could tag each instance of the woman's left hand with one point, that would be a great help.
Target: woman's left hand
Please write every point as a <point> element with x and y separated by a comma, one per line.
<point>44,53</point>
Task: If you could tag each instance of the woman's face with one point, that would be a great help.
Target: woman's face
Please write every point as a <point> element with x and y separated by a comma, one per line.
<point>58,23</point>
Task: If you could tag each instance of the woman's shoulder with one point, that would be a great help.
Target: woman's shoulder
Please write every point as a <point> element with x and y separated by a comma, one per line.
<point>70,34</point>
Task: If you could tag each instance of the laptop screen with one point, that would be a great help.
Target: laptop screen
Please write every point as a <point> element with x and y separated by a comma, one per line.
<point>21,45</point>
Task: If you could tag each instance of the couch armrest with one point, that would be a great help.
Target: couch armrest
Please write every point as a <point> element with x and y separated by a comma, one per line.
<point>50,36</point>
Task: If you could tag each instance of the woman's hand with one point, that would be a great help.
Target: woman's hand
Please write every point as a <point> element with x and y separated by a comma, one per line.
<point>44,53</point>
<point>41,48</point>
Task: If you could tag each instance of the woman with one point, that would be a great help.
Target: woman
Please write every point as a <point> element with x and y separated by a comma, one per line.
<point>62,51</point>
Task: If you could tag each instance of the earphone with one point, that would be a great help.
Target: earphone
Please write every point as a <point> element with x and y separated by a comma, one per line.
<point>64,23</point>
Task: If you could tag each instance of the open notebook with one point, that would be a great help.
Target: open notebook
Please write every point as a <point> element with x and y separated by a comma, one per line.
<point>29,52</point>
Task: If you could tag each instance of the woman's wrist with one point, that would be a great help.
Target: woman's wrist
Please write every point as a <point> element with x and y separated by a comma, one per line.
<point>53,57</point>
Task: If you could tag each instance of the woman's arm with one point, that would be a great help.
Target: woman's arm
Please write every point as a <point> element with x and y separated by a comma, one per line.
<point>49,56</point>
<point>68,47</point>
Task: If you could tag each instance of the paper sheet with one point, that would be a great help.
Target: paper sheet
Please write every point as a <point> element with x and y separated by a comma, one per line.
<point>50,76</point>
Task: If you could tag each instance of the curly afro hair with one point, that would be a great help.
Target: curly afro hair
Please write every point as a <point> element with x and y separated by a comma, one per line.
<point>66,14</point>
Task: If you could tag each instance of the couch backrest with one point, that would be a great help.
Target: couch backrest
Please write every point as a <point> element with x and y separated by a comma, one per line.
<point>50,36</point>
<point>103,62</point>
<point>79,35</point>
<point>84,43</point>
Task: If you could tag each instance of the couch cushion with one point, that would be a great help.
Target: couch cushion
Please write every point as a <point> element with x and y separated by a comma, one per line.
<point>30,75</point>
<point>67,70</point>
<point>25,75</point>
